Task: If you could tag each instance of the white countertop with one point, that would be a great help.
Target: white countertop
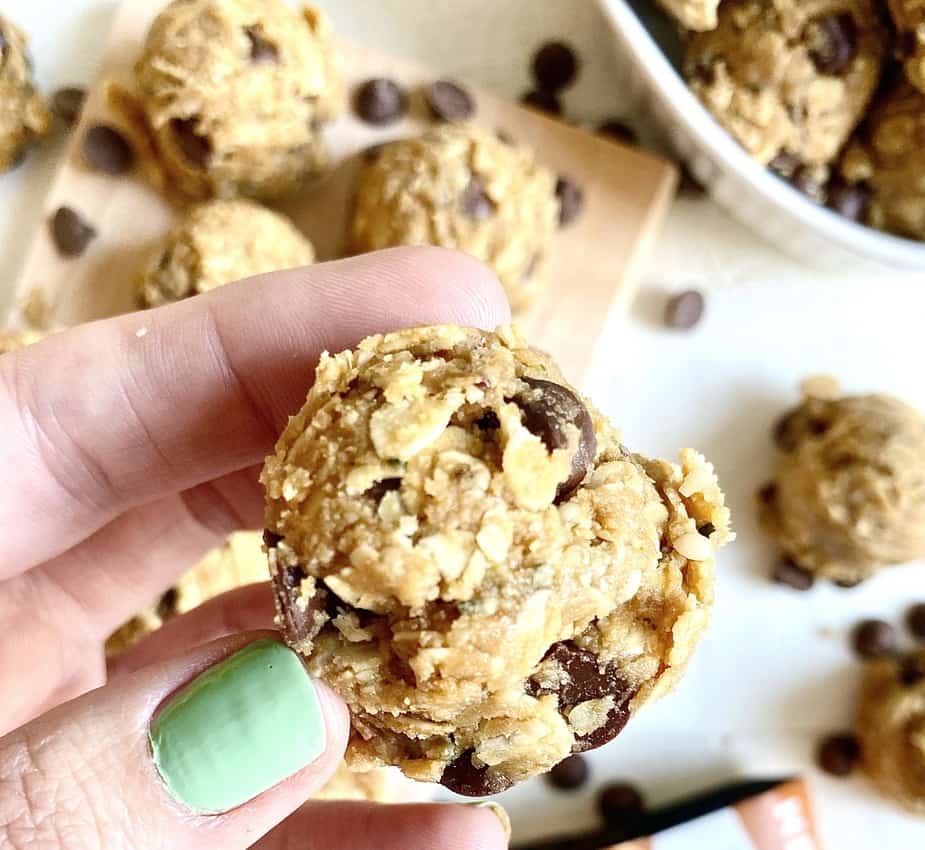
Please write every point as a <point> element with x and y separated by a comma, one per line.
<point>774,672</point>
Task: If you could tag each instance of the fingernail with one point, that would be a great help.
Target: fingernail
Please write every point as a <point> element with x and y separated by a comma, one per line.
<point>498,811</point>
<point>238,729</point>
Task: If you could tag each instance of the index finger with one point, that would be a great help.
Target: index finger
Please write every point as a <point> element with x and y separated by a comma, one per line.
<point>121,412</point>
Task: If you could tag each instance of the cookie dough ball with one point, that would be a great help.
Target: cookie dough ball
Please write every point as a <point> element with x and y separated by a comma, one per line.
<point>891,728</point>
<point>219,242</point>
<point>235,92</point>
<point>461,547</point>
<point>886,160</point>
<point>696,15</point>
<point>909,19</point>
<point>461,187</point>
<point>24,116</point>
<point>849,494</point>
<point>789,77</point>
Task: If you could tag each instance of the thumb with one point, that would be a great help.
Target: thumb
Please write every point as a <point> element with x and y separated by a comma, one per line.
<point>209,750</point>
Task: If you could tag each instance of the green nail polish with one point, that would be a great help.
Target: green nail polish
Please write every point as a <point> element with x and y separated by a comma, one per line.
<point>239,728</point>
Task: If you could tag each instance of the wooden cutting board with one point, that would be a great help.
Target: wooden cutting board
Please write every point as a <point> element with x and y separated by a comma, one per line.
<point>594,263</point>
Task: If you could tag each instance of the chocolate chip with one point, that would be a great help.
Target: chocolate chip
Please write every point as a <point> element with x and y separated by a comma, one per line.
<point>67,102</point>
<point>619,801</point>
<point>196,149</point>
<point>684,310</point>
<point>371,154</point>
<point>271,539</point>
<point>107,150</point>
<point>548,409</point>
<point>488,421</point>
<point>834,41</point>
<point>784,164</point>
<point>619,130</point>
<point>912,670</point>
<point>786,431</point>
<point>793,575</point>
<point>554,66</point>
<point>850,200</point>
<point>293,576</point>
<point>167,604</point>
<point>702,72</point>
<point>463,777</point>
<point>299,623</point>
<point>838,754</point>
<point>70,232</point>
<point>706,529</point>
<point>906,44</point>
<point>874,639</point>
<point>449,101</point>
<point>767,493</point>
<point>544,101</point>
<point>380,488</point>
<point>570,773</point>
<point>263,51</point>
<point>571,200</point>
<point>915,620</point>
<point>806,183</point>
<point>585,679</point>
<point>475,202</point>
<point>380,101</point>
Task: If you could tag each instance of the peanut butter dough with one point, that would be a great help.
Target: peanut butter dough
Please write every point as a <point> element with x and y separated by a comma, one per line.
<point>24,117</point>
<point>235,92</point>
<point>462,548</point>
<point>789,77</point>
<point>849,494</point>
<point>219,242</point>
<point>461,187</point>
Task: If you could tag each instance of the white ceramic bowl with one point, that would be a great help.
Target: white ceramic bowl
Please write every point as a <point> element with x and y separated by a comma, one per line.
<point>750,193</point>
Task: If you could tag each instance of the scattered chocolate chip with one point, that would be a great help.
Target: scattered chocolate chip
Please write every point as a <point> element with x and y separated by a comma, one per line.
<point>196,149</point>
<point>380,488</point>
<point>619,130</point>
<point>475,202</point>
<point>915,620</point>
<point>463,777</point>
<point>380,101</point>
<point>488,421</point>
<point>271,539</point>
<point>293,576</point>
<point>570,773</point>
<point>793,575</point>
<point>619,801</point>
<point>167,604</point>
<point>834,42</point>
<point>767,493</point>
<point>107,150</point>
<point>689,185</point>
<point>263,51</point>
<point>912,670</point>
<point>585,679</point>
<point>544,101</point>
<point>67,102</point>
<point>554,66</point>
<point>449,101</point>
<point>571,200</point>
<point>850,200</point>
<point>838,754</point>
<point>706,529</point>
<point>548,409</point>
<point>71,233</point>
<point>846,584</point>
<point>786,432</point>
<point>684,310</point>
<point>874,639</point>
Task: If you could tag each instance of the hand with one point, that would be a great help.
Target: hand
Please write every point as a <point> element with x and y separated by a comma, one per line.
<point>130,446</point>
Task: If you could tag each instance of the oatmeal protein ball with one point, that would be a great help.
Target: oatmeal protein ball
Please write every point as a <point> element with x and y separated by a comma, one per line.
<point>219,242</point>
<point>461,187</point>
<point>849,494</point>
<point>24,117</point>
<point>789,78</point>
<point>886,161</point>
<point>891,728</point>
<point>909,19</point>
<point>235,92</point>
<point>461,547</point>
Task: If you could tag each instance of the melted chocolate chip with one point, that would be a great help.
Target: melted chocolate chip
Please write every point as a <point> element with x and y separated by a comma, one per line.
<point>793,575</point>
<point>786,431</point>
<point>463,777</point>
<point>570,773</point>
<point>488,421</point>
<point>548,409</point>
<point>299,624</point>
<point>380,488</point>
<point>874,639</point>
<point>834,42</point>
<point>449,101</point>
<point>554,66</point>
<point>571,200</point>
<point>271,539</point>
<point>475,202</point>
<point>167,604</point>
<point>915,621</point>
<point>107,150</point>
<point>767,493</point>
<point>379,101</point>
<point>838,754</point>
<point>263,51</point>
<point>71,232</point>
<point>196,149</point>
<point>544,101</point>
<point>706,529</point>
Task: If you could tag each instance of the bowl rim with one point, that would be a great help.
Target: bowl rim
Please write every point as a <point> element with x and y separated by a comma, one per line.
<point>689,112</point>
